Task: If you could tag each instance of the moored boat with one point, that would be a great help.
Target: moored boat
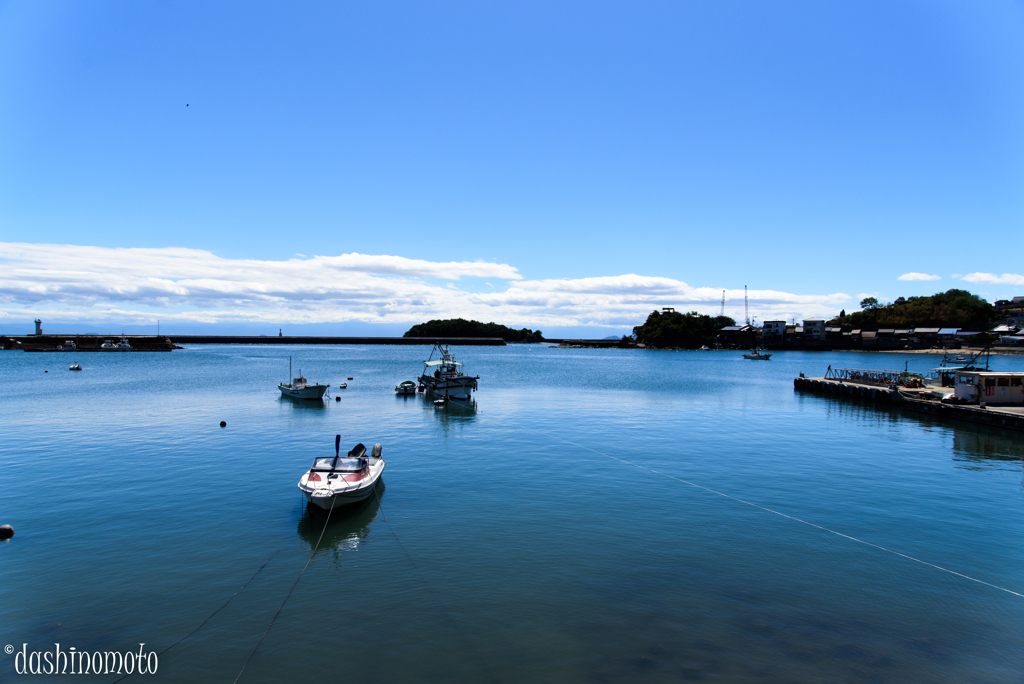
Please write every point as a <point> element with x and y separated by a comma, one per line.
<point>299,387</point>
<point>75,367</point>
<point>406,387</point>
<point>757,355</point>
<point>339,480</point>
<point>443,375</point>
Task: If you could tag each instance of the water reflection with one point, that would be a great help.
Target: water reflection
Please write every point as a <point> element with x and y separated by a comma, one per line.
<point>307,404</point>
<point>346,526</point>
<point>454,414</point>
<point>976,446</point>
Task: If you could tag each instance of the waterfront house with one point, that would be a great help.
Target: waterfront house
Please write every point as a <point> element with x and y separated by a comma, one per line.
<point>773,331</point>
<point>991,387</point>
<point>814,329</point>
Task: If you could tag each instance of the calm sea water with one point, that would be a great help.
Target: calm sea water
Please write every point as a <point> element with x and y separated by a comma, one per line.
<point>510,543</point>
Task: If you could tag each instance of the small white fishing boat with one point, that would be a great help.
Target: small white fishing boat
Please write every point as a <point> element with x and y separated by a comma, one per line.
<point>343,385</point>
<point>443,376</point>
<point>340,480</point>
<point>406,387</point>
<point>75,367</point>
<point>123,344</point>
<point>756,355</point>
<point>299,387</point>
<point>108,345</point>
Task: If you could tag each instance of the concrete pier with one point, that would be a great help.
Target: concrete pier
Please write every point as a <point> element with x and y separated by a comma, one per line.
<point>918,400</point>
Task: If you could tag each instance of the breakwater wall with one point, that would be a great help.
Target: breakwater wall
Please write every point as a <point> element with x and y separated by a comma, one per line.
<point>913,400</point>
<point>310,339</point>
<point>87,343</point>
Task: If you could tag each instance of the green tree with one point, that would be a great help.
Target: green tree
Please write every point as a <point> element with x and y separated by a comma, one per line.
<point>674,329</point>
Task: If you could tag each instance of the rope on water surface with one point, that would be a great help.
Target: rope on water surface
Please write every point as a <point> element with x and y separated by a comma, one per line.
<point>225,605</point>
<point>791,517</point>
<point>289,595</point>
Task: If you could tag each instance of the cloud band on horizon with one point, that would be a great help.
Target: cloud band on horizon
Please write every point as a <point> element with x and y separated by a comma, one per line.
<point>141,284</point>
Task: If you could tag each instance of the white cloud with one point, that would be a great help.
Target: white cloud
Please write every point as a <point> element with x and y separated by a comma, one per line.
<point>993,279</point>
<point>918,276</point>
<point>97,283</point>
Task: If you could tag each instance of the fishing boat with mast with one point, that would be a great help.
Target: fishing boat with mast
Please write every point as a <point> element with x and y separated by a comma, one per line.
<point>299,387</point>
<point>442,375</point>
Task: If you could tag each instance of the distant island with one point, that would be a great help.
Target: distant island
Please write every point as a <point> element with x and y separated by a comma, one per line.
<point>673,329</point>
<point>460,327</point>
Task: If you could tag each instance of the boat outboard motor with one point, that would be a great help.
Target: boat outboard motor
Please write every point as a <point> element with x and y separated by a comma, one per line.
<point>375,452</point>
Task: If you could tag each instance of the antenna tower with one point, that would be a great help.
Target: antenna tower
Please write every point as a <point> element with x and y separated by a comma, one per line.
<point>722,312</point>
<point>746,309</point>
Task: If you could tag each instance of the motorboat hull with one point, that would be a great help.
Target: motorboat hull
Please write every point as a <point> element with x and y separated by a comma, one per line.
<point>307,392</point>
<point>341,499</point>
<point>343,492</point>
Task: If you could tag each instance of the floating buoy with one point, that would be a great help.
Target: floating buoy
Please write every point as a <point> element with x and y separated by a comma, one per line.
<point>350,377</point>
<point>337,398</point>
<point>223,423</point>
<point>46,371</point>
<point>6,531</point>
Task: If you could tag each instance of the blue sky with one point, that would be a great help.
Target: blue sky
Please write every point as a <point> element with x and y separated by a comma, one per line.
<point>598,160</point>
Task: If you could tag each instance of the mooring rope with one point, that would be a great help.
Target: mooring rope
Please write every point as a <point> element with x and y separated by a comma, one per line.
<point>210,617</point>
<point>791,517</point>
<point>289,595</point>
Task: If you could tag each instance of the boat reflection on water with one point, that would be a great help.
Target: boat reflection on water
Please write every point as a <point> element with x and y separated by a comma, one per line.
<point>303,404</point>
<point>451,414</point>
<point>346,526</point>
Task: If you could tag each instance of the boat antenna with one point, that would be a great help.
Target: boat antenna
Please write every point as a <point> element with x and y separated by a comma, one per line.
<point>289,370</point>
<point>722,312</point>
<point>746,310</point>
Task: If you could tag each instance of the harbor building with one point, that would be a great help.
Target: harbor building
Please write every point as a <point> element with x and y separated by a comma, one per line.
<point>990,387</point>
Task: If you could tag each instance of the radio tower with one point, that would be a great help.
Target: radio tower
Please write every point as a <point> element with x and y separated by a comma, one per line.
<point>746,310</point>
<point>722,312</point>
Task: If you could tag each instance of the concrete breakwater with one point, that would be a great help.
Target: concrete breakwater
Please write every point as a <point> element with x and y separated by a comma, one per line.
<point>86,343</point>
<point>920,400</point>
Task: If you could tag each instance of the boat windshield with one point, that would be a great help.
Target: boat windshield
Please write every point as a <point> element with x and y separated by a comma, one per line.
<point>343,465</point>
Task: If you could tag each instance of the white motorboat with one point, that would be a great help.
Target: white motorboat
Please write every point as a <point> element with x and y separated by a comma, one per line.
<point>69,345</point>
<point>123,344</point>
<point>443,376</point>
<point>108,345</point>
<point>75,367</point>
<point>299,387</point>
<point>406,387</point>
<point>338,480</point>
<point>756,355</point>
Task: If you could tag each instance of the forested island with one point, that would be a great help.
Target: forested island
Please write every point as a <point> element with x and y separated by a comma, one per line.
<point>460,327</point>
<point>949,309</point>
<point>673,329</point>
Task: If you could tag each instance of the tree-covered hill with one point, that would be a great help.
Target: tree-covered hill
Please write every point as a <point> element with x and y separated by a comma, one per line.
<point>674,329</point>
<point>950,309</point>
<point>460,327</point>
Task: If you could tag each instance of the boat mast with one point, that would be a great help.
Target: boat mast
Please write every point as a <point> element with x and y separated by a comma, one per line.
<point>289,370</point>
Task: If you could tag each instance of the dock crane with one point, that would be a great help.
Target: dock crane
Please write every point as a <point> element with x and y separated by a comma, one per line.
<point>746,310</point>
